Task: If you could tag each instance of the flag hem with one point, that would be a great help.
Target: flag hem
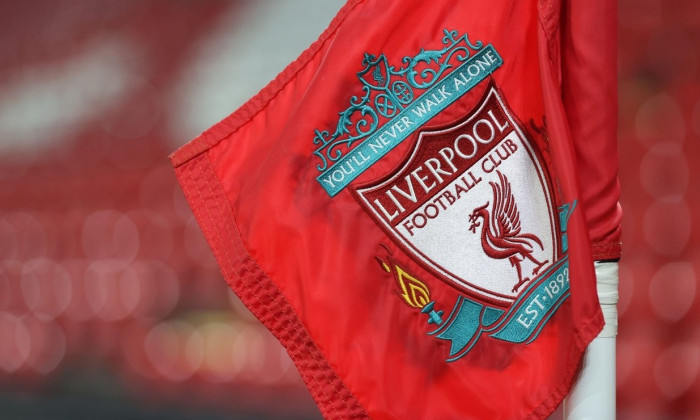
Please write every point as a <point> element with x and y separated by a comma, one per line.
<point>249,281</point>
<point>582,338</point>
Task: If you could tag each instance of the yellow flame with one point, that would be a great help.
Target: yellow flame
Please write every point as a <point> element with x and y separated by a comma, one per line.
<point>386,267</point>
<point>413,291</point>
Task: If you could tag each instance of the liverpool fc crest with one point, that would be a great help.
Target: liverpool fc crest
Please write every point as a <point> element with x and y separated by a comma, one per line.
<point>472,203</point>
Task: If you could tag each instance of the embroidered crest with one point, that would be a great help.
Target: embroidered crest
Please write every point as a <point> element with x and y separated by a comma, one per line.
<point>472,203</point>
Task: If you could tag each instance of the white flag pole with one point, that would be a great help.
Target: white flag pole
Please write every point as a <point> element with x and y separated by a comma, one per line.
<point>593,394</point>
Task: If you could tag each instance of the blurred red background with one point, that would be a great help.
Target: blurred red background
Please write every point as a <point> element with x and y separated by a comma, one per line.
<point>111,303</point>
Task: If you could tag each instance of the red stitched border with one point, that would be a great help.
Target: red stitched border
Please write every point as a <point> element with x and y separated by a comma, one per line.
<point>217,220</point>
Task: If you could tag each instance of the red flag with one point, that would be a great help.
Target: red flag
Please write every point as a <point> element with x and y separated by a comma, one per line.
<point>400,208</point>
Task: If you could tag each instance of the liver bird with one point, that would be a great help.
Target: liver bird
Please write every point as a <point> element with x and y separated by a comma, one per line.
<point>501,234</point>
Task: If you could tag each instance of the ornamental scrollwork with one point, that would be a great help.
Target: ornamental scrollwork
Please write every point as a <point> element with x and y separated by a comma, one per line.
<point>387,91</point>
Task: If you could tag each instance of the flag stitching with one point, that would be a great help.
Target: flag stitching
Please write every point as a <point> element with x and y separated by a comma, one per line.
<point>302,354</point>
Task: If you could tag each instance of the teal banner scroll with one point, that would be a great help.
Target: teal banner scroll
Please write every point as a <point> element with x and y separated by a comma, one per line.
<point>521,323</point>
<point>422,109</point>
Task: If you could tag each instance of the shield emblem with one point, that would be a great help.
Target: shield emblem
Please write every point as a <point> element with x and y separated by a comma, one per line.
<point>376,73</point>
<point>472,203</point>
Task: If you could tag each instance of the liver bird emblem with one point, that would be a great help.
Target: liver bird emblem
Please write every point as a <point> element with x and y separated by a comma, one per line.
<point>501,233</point>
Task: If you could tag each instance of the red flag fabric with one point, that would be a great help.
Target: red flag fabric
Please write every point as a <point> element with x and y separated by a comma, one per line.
<point>401,208</point>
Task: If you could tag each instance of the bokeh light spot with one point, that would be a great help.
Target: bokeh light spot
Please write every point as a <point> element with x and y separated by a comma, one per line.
<point>112,289</point>
<point>660,119</point>
<point>159,288</point>
<point>15,345</point>
<point>165,347</point>
<point>30,236</point>
<point>676,369</point>
<point>110,234</point>
<point>46,287</point>
<point>137,119</point>
<point>672,290</point>
<point>667,226</point>
<point>218,366</point>
<point>664,171</point>
<point>48,344</point>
